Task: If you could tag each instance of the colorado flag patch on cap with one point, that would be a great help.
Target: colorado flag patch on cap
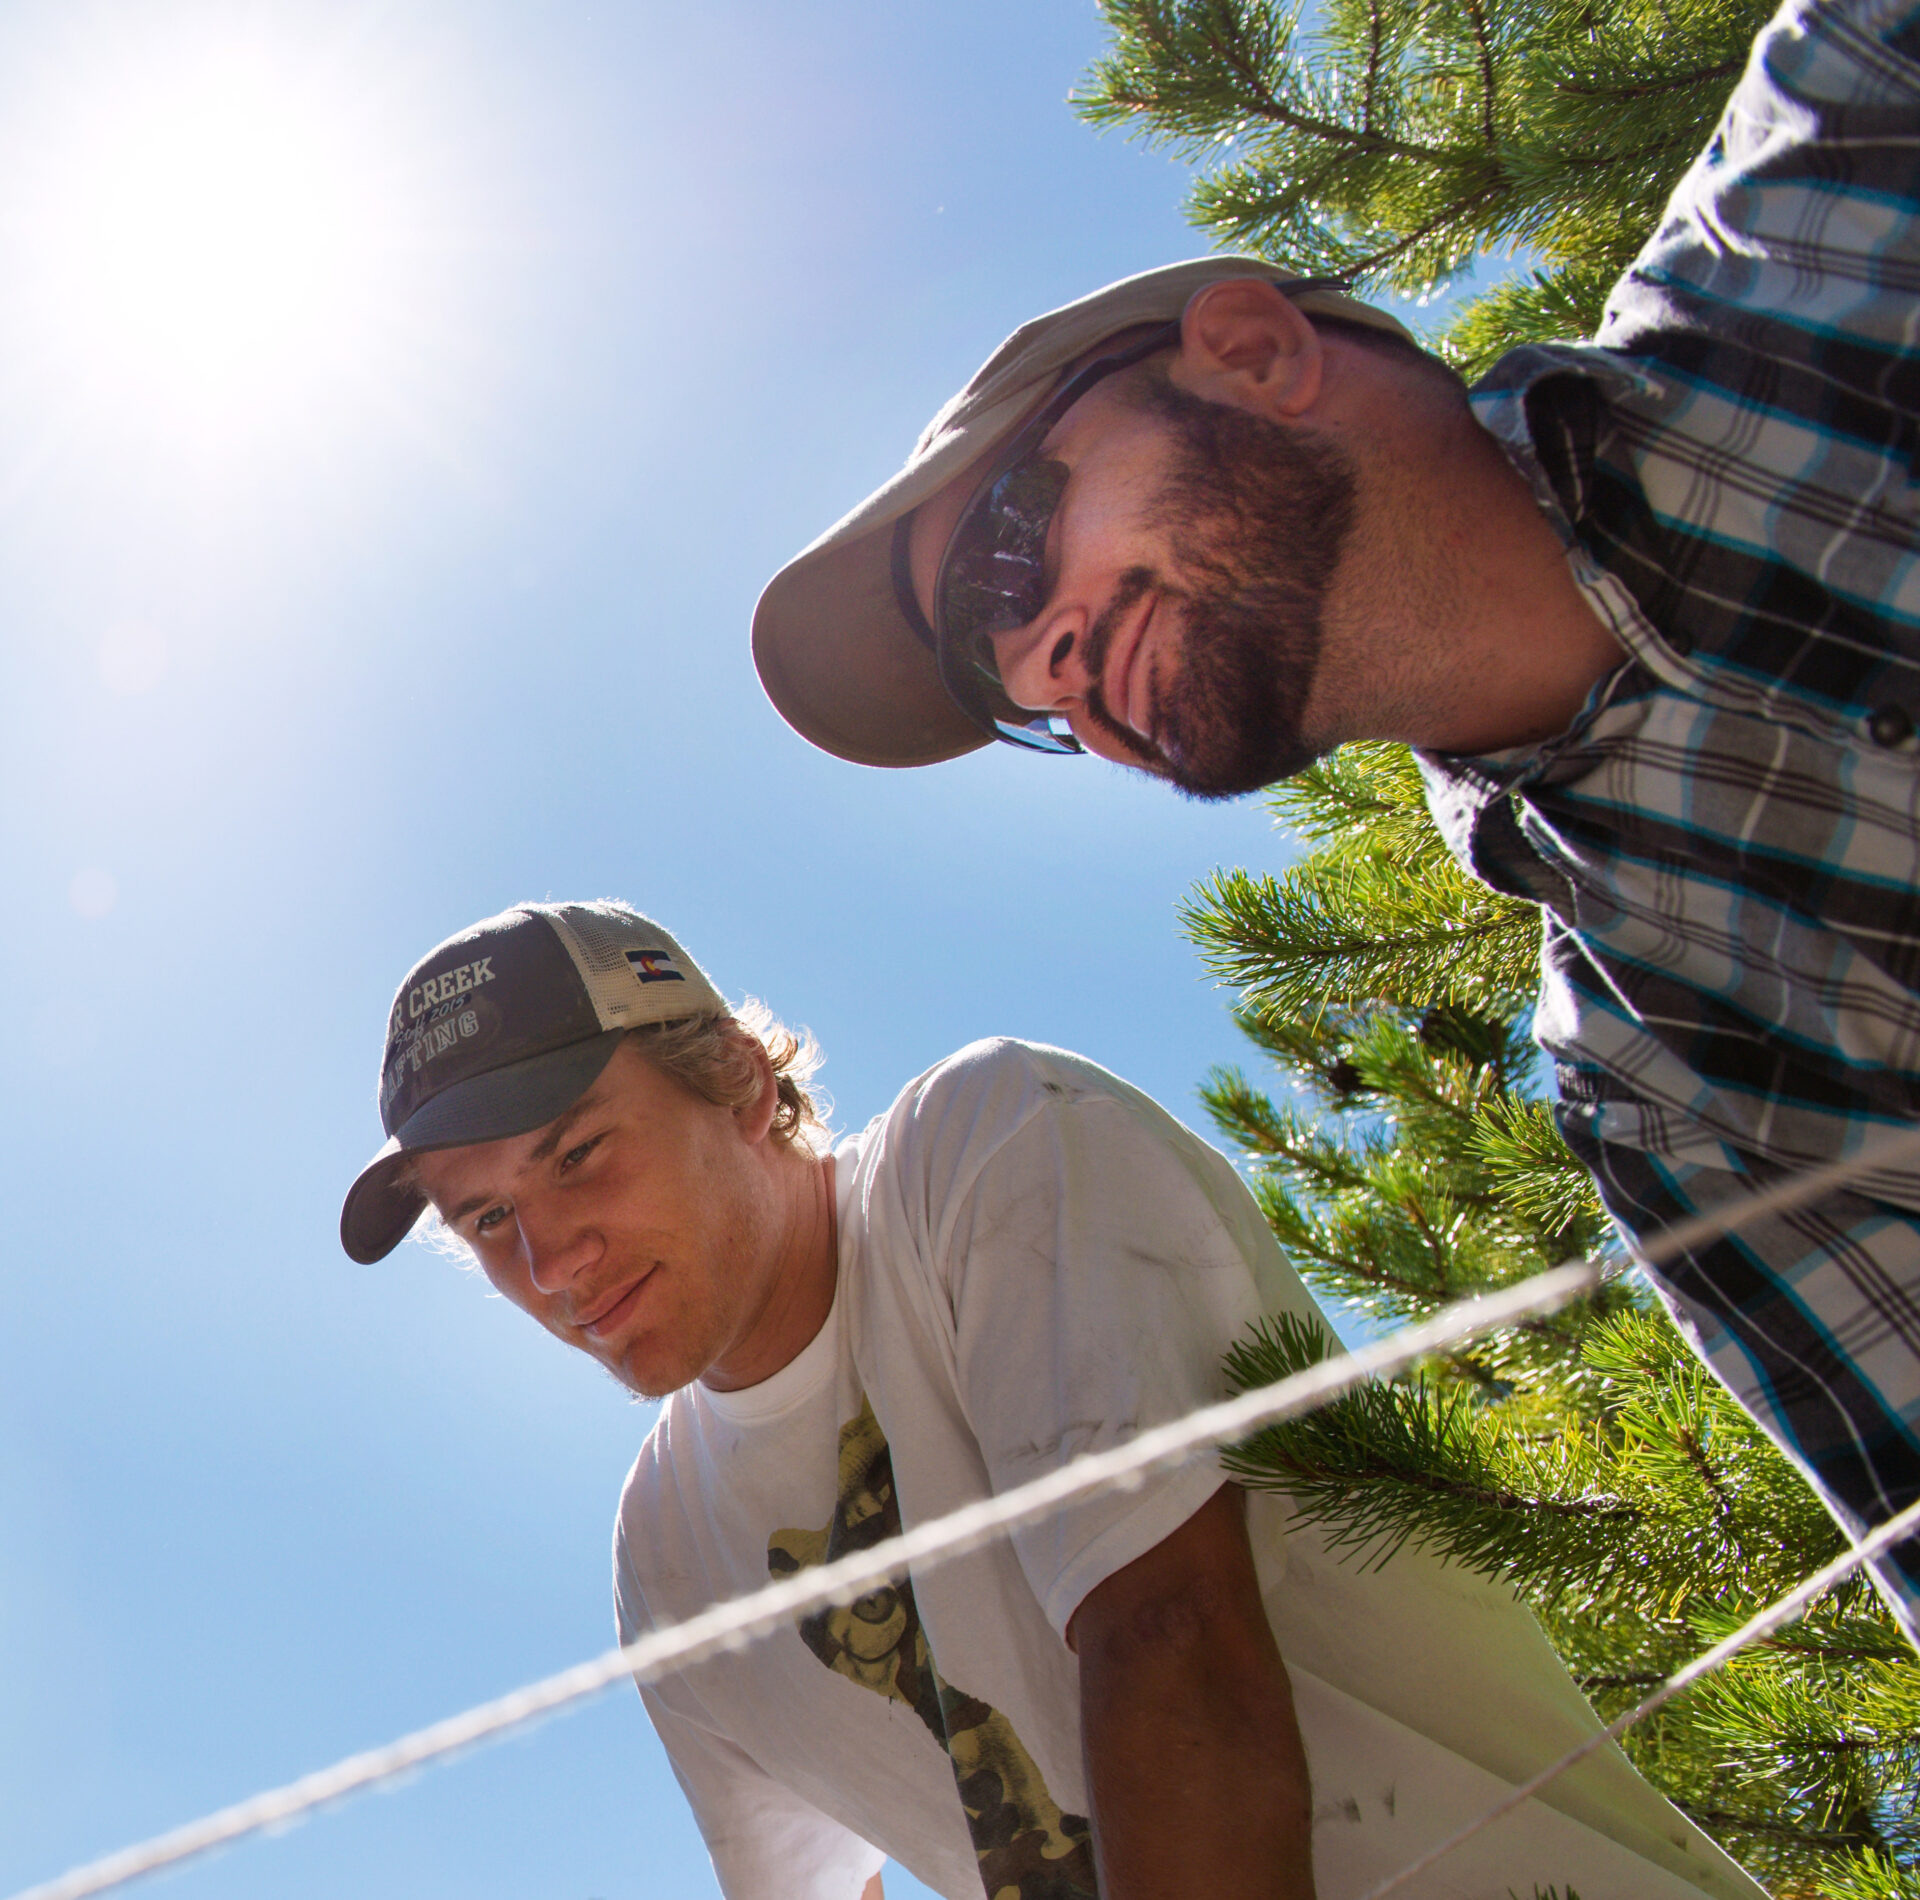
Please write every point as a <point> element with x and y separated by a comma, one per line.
<point>655,966</point>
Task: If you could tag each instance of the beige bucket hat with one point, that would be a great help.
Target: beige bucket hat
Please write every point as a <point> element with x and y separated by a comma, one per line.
<point>836,655</point>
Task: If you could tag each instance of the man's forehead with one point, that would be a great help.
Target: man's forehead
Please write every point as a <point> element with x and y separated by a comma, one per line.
<point>932,523</point>
<point>443,1172</point>
<point>502,1158</point>
<point>1114,345</point>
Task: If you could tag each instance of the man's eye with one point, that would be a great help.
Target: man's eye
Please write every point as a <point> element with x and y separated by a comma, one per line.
<point>487,1222</point>
<point>578,1153</point>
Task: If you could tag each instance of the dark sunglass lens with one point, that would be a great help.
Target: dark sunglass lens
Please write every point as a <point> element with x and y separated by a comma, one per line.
<point>1022,502</point>
<point>995,577</point>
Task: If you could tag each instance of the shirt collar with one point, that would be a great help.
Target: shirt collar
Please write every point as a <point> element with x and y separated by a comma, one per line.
<point>1544,404</point>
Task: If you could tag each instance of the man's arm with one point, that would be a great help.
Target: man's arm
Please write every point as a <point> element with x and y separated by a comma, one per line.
<point>1196,1776</point>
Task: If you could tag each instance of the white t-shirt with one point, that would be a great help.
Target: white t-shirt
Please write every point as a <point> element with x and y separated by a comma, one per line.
<point>1036,1261</point>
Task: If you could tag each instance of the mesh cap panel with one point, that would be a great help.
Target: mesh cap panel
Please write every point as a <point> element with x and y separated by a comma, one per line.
<point>632,971</point>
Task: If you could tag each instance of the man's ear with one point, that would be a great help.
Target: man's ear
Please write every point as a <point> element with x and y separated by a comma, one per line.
<point>1243,342</point>
<point>755,1118</point>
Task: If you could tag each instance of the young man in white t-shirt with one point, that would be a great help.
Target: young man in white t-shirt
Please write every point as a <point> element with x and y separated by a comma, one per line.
<point>1163,1692</point>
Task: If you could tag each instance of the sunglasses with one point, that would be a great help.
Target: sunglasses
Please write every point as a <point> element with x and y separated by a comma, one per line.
<point>992,576</point>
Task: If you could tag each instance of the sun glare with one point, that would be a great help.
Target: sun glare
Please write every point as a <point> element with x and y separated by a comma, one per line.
<point>216,240</point>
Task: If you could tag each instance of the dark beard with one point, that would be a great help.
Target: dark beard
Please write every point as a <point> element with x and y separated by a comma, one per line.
<point>1256,517</point>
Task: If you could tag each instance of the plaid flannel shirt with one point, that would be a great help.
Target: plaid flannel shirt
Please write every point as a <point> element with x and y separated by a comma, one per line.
<point>1726,842</point>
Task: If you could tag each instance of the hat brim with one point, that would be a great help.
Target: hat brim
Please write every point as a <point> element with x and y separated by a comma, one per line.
<point>840,661</point>
<point>383,1204</point>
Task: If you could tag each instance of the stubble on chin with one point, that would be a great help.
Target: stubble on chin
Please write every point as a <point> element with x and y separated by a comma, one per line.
<point>651,1379</point>
<point>1256,517</point>
<point>657,1361</point>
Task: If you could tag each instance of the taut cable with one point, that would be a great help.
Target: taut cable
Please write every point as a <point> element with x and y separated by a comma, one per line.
<point>1895,1530</point>
<point>732,1625</point>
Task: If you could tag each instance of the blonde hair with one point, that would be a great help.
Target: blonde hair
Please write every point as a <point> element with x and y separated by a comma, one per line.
<point>708,1055</point>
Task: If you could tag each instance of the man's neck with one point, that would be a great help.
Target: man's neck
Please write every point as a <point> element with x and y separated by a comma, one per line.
<point>1455,624</point>
<point>803,1278</point>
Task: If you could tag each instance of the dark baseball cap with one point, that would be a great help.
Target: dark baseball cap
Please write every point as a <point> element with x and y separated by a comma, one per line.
<point>506,1025</point>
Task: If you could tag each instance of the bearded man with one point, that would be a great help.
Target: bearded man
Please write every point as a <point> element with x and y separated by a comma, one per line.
<point>1648,609</point>
<point>1171,1692</point>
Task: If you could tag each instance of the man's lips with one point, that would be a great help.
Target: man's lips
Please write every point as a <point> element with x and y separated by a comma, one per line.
<point>1128,686</point>
<point>605,1318</point>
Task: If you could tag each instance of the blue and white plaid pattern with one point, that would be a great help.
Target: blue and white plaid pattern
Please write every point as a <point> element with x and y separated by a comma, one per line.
<point>1727,841</point>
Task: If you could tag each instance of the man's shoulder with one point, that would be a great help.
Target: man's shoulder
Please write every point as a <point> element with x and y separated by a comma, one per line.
<point>1549,405</point>
<point>1781,270</point>
<point>1008,1112</point>
<point>990,1088</point>
<point>924,1154</point>
<point>996,1064</point>
<point>650,1468</point>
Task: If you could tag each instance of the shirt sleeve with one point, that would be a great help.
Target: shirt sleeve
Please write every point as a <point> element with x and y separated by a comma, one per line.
<point>765,1842</point>
<point>1101,1263</point>
<point>1796,225</point>
<point>1802,1316</point>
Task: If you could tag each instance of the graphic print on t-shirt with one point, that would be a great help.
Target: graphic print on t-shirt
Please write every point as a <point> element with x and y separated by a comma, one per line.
<point>1027,1848</point>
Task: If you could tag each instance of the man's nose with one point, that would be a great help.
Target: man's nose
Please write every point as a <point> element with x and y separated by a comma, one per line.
<point>557,1247</point>
<point>1042,665</point>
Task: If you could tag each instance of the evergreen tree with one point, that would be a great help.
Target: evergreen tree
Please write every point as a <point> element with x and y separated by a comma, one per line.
<point>1393,142</point>
<point>1589,1459</point>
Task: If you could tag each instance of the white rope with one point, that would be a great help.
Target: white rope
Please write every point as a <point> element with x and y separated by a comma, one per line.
<point>1790,1191</point>
<point>1893,1531</point>
<point>733,1625</point>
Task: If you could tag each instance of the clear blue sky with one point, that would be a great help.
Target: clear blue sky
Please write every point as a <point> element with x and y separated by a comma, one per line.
<point>336,621</point>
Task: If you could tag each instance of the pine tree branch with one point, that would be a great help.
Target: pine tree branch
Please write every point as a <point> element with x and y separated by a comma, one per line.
<point>1263,102</point>
<point>1436,1485</point>
<point>1276,1137</point>
<point>1376,47</point>
<point>1696,1456</point>
<point>1796,1642</point>
<point>1332,933</point>
<point>1365,1270</point>
<point>1612,161</point>
<point>1364,265</point>
<point>1849,1744</point>
<point>1479,23</point>
<point>1735,1820</point>
<point>1317,1161</point>
<point>1411,1207</point>
<point>1649,88</point>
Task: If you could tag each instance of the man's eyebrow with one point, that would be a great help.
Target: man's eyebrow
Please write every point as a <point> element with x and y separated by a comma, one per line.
<point>557,1133</point>
<point>542,1151</point>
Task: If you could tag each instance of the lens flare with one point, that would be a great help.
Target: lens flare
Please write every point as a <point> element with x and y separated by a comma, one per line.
<point>212,235</point>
